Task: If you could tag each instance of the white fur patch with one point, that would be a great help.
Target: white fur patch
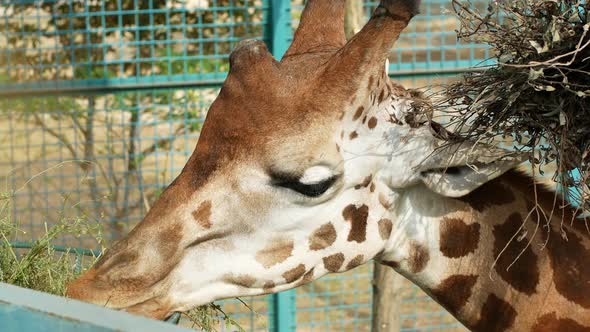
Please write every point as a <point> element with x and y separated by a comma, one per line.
<point>316,174</point>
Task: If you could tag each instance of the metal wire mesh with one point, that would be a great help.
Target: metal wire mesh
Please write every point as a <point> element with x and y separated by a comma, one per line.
<point>429,45</point>
<point>106,157</point>
<point>337,302</point>
<point>75,44</point>
<point>109,155</point>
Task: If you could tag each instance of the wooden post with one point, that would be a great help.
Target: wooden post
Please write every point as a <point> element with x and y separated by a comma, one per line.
<point>354,17</point>
<point>387,285</point>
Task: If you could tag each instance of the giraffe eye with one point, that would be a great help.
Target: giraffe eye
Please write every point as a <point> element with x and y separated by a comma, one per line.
<point>314,182</point>
<point>309,190</point>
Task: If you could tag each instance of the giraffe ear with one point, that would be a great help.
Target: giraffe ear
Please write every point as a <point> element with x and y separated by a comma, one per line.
<point>459,169</point>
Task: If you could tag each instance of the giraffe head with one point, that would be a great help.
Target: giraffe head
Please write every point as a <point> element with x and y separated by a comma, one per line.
<point>296,174</point>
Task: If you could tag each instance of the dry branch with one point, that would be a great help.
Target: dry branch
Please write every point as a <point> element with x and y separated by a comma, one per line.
<point>537,97</point>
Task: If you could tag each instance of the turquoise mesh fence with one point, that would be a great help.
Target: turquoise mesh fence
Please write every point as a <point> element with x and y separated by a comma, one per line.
<point>104,156</point>
<point>101,45</point>
<point>101,103</point>
<point>429,45</point>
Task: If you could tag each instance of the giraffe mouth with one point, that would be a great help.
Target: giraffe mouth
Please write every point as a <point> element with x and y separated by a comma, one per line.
<point>174,318</point>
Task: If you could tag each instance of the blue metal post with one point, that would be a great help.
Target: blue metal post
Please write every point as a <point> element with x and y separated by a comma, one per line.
<point>278,32</point>
<point>278,35</point>
<point>28,310</point>
<point>283,311</point>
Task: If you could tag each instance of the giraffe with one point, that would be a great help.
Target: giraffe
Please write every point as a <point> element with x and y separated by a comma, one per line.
<point>318,163</point>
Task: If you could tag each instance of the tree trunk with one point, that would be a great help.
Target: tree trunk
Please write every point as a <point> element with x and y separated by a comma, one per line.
<point>354,17</point>
<point>387,296</point>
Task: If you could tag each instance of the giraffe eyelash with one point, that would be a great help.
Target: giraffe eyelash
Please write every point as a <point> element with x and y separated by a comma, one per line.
<point>312,190</point>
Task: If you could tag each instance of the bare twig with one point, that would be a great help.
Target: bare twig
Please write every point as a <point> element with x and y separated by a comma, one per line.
<point>537,96</point>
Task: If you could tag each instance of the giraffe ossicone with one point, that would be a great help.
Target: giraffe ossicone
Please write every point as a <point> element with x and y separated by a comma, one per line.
<point>318,163</point>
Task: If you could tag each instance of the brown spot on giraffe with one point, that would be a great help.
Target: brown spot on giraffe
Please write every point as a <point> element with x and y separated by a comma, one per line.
<point>353,135</point>
<point>385,227</point>
<point>203,214</point>
<point>550,323</point>
<point>381,96</point>
<point>418,258</point>
<point>322,237</point>
<point>356,261</point>
<point>372,123</point>
<point>358,222</point>
<point>393,264</point>
<point>569,260</point>
<point>366,181</point>
<point>294,274</point>
<point>493,193</point>
<point>384,201</point>
<point>268,286</point>
<point>454,292</point>
<point>358,113</point>
<point>496,315</point>
<point>275,253</point>
<point>523,275</point>
<point>458,239</point>
<point>333,263</point>
<point>372,187</point>
<point>364,119</point>
<point>169,240</point>
<point>307,277</point>
<point>242,280</point>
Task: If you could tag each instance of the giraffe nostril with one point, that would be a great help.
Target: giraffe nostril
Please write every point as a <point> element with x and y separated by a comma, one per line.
<point>453,170</point>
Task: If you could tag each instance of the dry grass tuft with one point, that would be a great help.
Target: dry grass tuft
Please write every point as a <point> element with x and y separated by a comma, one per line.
<point>44,266</point>
<point>538,95</point>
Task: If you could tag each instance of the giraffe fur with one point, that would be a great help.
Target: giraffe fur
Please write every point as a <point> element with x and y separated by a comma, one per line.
<point>318,163</point>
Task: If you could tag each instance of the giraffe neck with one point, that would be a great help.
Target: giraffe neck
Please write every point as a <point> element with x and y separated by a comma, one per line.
<point>494,261</point>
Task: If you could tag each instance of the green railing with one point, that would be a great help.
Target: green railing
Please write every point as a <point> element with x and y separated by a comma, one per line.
<point>27,310</point>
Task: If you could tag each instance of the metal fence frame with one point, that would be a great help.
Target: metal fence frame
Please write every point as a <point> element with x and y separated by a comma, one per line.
<point>23,309</point>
